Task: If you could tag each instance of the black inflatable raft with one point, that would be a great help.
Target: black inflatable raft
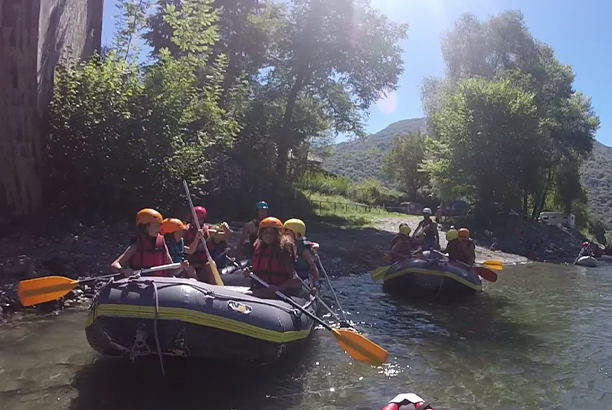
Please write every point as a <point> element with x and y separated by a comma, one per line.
<point>429,277</point>
<point>193,319</point>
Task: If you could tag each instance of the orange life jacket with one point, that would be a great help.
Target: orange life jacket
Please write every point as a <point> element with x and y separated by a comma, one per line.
<point>148,255</point>
<point>199,256</point>
<point>267,266</point>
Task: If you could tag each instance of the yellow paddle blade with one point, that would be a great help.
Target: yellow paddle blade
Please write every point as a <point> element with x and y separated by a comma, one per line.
<point>215,272</point>
<point>493,264</point>
<point>379,272</point>
<point>41,290</point>
<point>359,347</point>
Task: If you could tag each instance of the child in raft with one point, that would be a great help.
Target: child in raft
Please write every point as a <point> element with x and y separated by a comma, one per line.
<point>274,259</point>
<point>173,231</point>
<point>147,249</point>
<point>401,245</point>
<point>198,257</point>
<point>305,265</point>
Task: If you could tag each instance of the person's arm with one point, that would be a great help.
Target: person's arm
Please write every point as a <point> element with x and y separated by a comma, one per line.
<point>294,280</point>
<point>169,260</point>
<point>223,233</point>
<point>314,271</point>
<point>123,259</point>
<point>189,250</point>
<point>246,230</point>
<point>396,251</point>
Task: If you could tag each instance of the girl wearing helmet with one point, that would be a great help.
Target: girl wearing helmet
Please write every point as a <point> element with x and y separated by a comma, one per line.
<point>197,255</point>
<point>466,250</point>
<point>305,266</point>
<point>250,229</point>
<point>148,248</point>
<point>274,259</point>
<point>401,244</point>
<point>173,231</point>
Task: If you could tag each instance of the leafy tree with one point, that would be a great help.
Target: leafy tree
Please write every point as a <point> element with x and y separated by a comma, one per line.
<point>134,130</point>
<point>316,56</point>
<point>402,162</point>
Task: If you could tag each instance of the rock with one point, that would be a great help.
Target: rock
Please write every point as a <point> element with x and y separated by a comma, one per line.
<point>22,266</point>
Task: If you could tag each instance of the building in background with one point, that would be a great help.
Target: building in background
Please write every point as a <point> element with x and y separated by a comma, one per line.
<point>34,36</point>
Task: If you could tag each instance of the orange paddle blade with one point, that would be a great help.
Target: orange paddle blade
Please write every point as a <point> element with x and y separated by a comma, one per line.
<point>41,290</point>
<point>359,347</point>
<point>486,274</point>
<point>493,264</point>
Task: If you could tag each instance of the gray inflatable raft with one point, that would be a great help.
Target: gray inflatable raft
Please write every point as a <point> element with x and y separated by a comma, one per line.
<point>191,318</point>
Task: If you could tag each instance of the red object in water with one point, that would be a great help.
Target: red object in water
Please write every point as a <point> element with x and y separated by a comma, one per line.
<point>394,406</point>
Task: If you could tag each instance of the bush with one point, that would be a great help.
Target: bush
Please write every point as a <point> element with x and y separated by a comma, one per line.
<point>324,183</point>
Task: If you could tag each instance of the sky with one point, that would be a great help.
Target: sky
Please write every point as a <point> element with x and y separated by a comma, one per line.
<point>578,30</point>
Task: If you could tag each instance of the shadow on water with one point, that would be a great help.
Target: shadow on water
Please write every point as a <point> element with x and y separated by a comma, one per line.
<point>114,383</point>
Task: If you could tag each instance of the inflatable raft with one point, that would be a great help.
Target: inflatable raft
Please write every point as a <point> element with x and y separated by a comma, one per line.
<point>587,261</point>
<point>430,276</point>
<point>183,317</point>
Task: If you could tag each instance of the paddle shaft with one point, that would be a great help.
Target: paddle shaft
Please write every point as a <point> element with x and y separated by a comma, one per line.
<point>194,216</point>
<point>291,302</point>
<point>136,272</point>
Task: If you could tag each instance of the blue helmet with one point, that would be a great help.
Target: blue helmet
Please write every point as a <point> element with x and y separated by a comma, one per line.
<point>261,205</point>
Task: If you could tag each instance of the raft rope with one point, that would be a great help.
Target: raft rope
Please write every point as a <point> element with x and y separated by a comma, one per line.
<point>159,353</point>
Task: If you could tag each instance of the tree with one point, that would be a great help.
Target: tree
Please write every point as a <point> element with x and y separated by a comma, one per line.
<point>402,162</point>
<point>482,129</point>
<point>343,70</point>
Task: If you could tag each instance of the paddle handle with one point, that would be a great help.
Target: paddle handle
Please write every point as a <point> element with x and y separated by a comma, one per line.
<point>195,217</point>
<point>290,301</point>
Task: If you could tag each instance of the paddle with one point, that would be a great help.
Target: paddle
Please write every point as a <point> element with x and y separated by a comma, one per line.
<point>485,273</point>
<point>354,344</point>
<point>380,272</point>
<point>48,288</point>
<point>209,261</point>
<point>314,247</point>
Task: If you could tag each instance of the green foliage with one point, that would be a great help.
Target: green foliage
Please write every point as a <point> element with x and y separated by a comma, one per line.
<point>324,184</point>
<point>402,162</point>
<point>125,135</point>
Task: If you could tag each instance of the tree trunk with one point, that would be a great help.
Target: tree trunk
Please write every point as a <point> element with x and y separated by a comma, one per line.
<point>537,209</point>
<point>284,139</point>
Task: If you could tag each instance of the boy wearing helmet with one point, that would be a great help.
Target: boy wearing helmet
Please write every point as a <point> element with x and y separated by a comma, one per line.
<point>274,261</point>
<point>173,231</point>
<point>305,265</point>
<point>466,250</point>
<point>401,244</point>
<point>429,230</point>
<point>147,249</point>
<point>250,231</point>
<point>197,254</point>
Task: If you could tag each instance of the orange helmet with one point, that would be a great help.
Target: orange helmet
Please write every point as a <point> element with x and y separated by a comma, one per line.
<point>171,225</point>
<point>147,216</point>
<point>271,222</point>
<point>464,233</point>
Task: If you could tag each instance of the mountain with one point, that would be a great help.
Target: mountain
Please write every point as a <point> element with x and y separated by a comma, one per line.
<point>357,160</point>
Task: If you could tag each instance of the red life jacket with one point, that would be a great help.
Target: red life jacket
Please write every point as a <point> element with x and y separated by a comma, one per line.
<point>199,256</point>
<point>406,243</point>
<point>148,255</point>
<point>267,266</point>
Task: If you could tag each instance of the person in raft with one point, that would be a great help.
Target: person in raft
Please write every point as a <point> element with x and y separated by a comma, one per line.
<point>401,245</point>
<point>429,229</point>
<point>250,230</point>
<point>197,254</point>
<point>460,246</point>
<point>147,249</point>
<point>305,266</point>
<point>173,231</point>
<point>274,259</point>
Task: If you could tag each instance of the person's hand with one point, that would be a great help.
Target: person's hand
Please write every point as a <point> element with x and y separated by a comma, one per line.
<point>386,258</point>
<point>185,264</point>
<point>246,272</point>
<point>127,272</point>
<point>225,227</point>
<point>199,234</point>
<point>314,289</point>
<point>273,288</point>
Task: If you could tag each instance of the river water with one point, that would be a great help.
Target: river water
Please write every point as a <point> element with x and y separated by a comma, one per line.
<point>539,338</point>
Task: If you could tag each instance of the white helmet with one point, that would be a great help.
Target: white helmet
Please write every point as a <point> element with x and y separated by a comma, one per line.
<point>427,211</point>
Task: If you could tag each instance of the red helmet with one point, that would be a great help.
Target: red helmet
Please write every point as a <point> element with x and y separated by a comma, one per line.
<point>200,212</point>
<point>585,244</point>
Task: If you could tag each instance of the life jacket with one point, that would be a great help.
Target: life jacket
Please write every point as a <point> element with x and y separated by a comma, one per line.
<point>465,248</point>
<point>267,266</point>
<point>301,265</point>
<point>199,256</point>
<point>176,249</point>
<point>406,245</point>
<point>430,229</point>
<point>148,255</point>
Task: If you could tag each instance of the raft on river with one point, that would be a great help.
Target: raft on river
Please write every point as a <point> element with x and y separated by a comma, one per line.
<point>430,276</point>
<point>194,319</point>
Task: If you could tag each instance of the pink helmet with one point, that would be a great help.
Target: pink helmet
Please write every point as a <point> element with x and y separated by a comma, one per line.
<point>200,212</point>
